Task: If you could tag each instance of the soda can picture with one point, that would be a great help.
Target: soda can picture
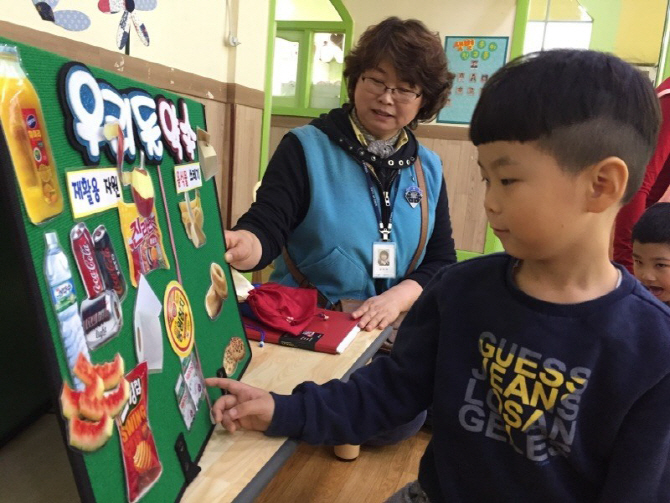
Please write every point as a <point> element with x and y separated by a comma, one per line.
<point>84,255</point>
<point>102,318</point>
<point>109,262</point>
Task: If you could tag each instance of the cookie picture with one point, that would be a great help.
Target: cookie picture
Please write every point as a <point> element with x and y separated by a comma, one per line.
<point>234,353</point>
<point>236,348</point>
<point>229,364</point>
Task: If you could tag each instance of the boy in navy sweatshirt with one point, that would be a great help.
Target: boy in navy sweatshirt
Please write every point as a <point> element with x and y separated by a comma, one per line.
<point>548,367</point>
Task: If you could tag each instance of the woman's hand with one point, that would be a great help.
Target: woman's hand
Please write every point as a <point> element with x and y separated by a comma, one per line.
<point>243,249</point>
<point>243,407</point>
<point>380,311</point>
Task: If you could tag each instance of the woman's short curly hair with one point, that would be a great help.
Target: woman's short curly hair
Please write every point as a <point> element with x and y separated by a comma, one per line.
<point>415,52</point>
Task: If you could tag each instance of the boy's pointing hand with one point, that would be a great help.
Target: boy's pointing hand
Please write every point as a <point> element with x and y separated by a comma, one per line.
<point>243,407</point>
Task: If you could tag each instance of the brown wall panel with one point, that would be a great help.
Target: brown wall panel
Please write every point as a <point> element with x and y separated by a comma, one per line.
<point>246,156</point>
<point>217,116</point>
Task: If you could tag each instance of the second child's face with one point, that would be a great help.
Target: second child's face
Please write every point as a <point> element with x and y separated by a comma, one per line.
<point>533,206</point>
<point>651,264</point>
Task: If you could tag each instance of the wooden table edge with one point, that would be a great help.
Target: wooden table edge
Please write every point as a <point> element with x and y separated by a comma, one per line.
<point>256,485</point>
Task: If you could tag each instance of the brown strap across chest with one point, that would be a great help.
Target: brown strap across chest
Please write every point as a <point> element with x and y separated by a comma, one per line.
<point>421,180</point>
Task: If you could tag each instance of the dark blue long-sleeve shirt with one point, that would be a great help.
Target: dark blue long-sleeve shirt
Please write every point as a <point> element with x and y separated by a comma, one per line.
<point>532,401</point>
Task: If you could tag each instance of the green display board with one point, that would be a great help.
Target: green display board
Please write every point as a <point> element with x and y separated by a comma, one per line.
<point>100,474</point>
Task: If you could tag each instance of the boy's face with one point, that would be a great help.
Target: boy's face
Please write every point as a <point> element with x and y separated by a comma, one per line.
<point>534,207</point>
<point>651,264</point>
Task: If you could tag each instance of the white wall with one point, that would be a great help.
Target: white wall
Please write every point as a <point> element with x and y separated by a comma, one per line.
<point>253,22</point>
<point>448,17</point>
<point>305,10</point>
<point>186,35</point>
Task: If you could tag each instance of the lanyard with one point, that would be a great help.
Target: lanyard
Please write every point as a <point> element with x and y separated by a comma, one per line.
<point>385,224</point>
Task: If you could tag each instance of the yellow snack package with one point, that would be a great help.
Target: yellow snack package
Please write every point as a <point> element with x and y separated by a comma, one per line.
<point>193,220</point>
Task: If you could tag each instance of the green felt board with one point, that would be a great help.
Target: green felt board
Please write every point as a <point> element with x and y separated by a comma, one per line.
<point>105,467</point>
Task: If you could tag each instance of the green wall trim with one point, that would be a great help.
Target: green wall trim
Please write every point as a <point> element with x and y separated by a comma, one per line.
<point>294,112</point>
<point>344,14</point>
<point>318,26</point>
<point>462,255</point>
<point>606,19</point>
<point>519,30</point>
<point>348,42</point>
<point>492,243</point>
<point>267,102</point>
<point>664,56</point>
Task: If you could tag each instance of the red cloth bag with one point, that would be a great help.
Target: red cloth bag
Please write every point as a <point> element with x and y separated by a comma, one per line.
<point>282,307</point>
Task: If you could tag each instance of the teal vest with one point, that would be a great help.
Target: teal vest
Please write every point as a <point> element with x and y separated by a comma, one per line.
<point>332,246</point>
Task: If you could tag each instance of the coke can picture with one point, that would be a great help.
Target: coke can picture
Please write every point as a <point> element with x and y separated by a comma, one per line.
<point>109,262</point>
<point>84,255</point>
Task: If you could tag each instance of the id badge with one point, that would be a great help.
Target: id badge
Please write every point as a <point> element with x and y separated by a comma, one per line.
<point>383,259</point>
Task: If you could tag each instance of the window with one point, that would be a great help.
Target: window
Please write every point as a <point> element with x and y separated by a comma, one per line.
<point>307,67</point>
<point>556,24</point>
<point>542,36</point>
<point>327,67</point>
<point>285,69</point>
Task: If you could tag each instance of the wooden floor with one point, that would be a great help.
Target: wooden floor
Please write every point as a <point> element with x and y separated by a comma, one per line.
<point>34,467</point>
<point>314,475</point>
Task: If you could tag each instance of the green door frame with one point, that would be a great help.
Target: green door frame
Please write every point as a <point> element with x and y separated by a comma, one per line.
<point>267,102</point>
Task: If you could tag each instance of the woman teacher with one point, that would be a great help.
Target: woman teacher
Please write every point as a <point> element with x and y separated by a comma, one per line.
<point>349,184</point>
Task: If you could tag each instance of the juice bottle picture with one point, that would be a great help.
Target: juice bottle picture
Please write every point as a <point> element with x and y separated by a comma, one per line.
<point>25,131</point>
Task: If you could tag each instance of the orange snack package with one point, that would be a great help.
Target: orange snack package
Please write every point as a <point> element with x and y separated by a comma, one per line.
<point>25,130</point>
<point>143,241</point>
<point>140,457</point>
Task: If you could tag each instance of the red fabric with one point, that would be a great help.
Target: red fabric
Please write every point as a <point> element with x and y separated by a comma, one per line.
<point>282,307</point>
<point>655,183</point>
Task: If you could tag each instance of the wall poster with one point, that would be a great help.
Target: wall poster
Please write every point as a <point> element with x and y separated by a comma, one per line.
<point>472,60</point>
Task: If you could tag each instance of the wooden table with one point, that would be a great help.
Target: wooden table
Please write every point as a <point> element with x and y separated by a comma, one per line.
<point>236,467</point>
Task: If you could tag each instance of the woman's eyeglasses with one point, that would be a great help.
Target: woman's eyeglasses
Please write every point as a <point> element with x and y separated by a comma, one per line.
<point>400,94</point>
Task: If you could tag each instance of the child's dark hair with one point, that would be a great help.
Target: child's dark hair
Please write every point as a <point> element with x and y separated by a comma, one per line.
<point>654,225</point>
<point>580,106</point>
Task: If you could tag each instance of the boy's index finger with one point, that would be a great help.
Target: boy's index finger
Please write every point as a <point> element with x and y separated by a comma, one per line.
<point>223,383</point>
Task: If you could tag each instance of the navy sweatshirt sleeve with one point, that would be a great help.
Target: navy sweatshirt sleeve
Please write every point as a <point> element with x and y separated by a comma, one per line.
<point>388,392</point>
<point>283,199</point>
<point>639,468</point>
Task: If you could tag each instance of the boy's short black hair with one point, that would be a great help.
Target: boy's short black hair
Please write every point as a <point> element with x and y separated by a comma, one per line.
<point>581,106</point>
<point>654,225</point>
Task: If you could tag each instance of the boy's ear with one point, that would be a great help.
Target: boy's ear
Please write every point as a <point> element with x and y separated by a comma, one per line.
<point>607,184</point>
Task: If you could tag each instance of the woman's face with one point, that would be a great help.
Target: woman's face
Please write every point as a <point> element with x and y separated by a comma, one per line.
<point>380,113</point>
